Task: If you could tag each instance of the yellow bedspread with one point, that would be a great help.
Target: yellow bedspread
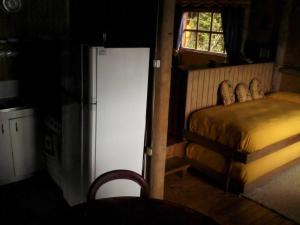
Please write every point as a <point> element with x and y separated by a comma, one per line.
<point>248,126</point>
<point>286,96</point>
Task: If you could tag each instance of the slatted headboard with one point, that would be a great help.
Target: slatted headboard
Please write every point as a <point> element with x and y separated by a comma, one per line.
<point>203,84</point>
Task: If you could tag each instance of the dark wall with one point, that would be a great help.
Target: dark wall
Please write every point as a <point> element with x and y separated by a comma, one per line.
<point>292,55</point>
<point>125,23</point>
<point>265,21</point>
<point>263,29</point>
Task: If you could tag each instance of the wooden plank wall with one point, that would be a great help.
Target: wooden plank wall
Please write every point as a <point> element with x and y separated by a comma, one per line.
<point>203,84</point>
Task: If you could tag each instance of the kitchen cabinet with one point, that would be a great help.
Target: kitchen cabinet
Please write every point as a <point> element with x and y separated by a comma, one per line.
<point>19,153</point>
<point>6,164</point>
<point>23,142</point>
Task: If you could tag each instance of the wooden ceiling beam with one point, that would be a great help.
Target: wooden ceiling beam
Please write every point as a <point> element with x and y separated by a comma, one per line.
<point>212,3</point>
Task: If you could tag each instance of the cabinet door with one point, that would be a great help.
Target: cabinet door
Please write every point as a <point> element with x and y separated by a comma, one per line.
<point>23,140</point>
<point>6,163</point>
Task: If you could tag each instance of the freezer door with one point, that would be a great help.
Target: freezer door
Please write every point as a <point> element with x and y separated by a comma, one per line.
<point>122,81</point>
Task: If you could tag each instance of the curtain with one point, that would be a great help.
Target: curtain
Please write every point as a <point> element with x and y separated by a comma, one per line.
<point>232,22</point>
<point>180,33</point>
<point>178,27</point>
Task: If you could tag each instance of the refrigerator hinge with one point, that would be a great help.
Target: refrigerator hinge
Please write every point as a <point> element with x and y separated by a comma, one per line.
<point>102,51</point>
<point>149,151</point>
<point>156,63</point>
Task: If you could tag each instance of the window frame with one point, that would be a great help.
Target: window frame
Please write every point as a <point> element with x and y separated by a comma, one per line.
<point>197,31</point>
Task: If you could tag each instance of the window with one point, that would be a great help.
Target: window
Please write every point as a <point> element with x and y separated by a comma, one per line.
<point>203,31</point>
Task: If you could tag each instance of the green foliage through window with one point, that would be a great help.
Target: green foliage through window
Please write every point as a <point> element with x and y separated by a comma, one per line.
<point>203,31</point>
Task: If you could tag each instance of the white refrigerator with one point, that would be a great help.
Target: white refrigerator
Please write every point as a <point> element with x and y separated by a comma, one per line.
<point>106,130</point>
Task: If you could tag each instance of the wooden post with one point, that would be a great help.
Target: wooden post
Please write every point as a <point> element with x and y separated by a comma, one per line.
<point>162,80</point>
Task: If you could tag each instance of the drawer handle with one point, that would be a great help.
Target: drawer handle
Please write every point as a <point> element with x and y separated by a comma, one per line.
<point>17,127</point>
<point>2,128</point>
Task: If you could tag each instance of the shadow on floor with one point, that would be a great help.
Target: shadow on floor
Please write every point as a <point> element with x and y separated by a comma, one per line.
<point>31,201</point>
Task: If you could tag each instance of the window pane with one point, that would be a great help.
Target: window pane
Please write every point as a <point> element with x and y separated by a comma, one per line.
<point>217,43</point>
<point>217,22</point>
<point>189,39</point>
<point>191,20</point>
<point>203,41</point>
<point>204,21</point>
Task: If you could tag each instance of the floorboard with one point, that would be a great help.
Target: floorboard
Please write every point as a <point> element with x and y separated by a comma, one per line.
<point>227,209</point>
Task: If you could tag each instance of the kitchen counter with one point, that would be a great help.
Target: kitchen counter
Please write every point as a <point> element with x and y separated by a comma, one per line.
<point>16,112</point>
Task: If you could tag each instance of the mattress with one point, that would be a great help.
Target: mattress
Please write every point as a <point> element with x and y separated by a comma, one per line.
<point>244,173</point>
<point>248,126</point>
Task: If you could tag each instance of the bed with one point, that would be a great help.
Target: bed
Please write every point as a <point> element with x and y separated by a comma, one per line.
<point>245,144</point>
<point>258,136</point>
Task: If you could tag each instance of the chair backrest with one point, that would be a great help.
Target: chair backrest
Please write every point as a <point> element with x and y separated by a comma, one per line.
<point>114,175</point>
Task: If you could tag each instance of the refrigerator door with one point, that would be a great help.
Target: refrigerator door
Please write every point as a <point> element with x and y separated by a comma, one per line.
<point>122,81</point>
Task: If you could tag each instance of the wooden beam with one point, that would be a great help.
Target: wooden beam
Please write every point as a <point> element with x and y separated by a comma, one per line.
<point>237,154</point>
<point>162,80</point>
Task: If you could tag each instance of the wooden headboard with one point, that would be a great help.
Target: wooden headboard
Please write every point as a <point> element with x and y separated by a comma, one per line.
<point>203,84</point>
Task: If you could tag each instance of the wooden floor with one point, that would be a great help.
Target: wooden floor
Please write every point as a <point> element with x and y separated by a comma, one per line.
<point>225,208</point>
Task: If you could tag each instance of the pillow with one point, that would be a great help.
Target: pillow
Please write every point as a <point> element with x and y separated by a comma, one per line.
<point>256,89</point>
<point>227,92</point>
<point>242,93</point>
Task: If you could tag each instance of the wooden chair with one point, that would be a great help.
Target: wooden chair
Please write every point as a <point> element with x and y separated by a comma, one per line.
<point>114,175</point>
